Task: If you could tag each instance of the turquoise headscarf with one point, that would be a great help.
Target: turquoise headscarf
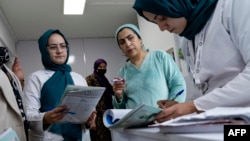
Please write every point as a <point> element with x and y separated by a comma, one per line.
<point>134,29</point>
<point>196,12</point>
<point>53,88</point>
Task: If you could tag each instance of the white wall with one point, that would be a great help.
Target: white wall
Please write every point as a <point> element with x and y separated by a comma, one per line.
<point>86,51</point>
<point>107,49</point>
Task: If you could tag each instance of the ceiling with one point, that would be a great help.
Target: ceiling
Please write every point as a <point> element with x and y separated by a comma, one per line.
<point>28,19</point>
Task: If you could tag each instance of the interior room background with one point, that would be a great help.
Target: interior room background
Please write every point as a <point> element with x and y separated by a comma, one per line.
<point>86,51</point>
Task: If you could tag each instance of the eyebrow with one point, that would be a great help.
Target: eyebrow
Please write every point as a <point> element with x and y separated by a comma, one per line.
<point>56,44</point>
<point>125,37</point>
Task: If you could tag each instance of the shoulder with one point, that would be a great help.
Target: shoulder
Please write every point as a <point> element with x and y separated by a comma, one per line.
<point>40,74</point>
<point>125,67</point>
<point>2,74</point>
<point>5,86</point>
<point>232,17</point>
<point>74,74</point>
<point>89,76</point>
<point>160,54</point>
<point>78,79</point>
<point>38,78</point>
<point>4,79</point>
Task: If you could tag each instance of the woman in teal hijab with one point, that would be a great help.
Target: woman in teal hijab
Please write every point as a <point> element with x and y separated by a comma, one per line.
<point>50,84</point>
<point>195,12</point>
<point>148,76</point>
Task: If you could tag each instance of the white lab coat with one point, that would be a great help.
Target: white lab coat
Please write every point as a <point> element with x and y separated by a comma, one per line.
<point>225,56</point>
<point>32,93</point>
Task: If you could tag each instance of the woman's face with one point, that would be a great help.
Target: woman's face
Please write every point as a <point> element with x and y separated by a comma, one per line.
<point>129,42</point>
<point>102,66</point>
<point>57,49</point>
<point>173,25</point>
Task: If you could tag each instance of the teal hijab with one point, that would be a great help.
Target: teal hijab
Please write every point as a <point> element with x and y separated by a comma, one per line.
<point>134,28</point>
<point>196,12</point>
<point>53,88</point>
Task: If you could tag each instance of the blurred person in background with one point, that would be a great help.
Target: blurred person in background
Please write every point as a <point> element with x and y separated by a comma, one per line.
<point>98,131</point>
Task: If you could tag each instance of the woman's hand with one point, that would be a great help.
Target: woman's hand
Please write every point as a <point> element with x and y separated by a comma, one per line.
<point>166,103</point>
<point>118,87</point>
<point>91,121</point>
<point>18,71</point>
<point>55,115</point>
<point>176,110</point>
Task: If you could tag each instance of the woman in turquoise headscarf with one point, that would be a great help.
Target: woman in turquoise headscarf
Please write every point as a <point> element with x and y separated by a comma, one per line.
<point>214,37</point>
<point>44,88</point>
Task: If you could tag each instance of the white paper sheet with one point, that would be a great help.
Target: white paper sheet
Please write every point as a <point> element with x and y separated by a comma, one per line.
<point>81,101</point>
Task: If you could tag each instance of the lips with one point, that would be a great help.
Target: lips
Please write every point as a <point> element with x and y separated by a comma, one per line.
<point>59,57</point>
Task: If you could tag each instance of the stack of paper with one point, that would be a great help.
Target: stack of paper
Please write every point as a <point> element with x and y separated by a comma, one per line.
<point>210,121</point>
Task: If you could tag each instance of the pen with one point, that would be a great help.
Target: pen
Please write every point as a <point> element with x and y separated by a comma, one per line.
<point>178,94</point>
<point>72,113</point>
<point>117,80</point>
<point>67,112</point>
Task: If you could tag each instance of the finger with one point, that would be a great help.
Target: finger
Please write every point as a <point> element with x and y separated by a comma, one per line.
<point>163,119</point>
<point>160,103</point>
<point>57,117</point>
<point>166,114</point>
<point>169,104</point>
<point>60,109</point>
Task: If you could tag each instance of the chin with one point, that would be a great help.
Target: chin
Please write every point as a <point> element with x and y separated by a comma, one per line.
<point>59,62</point>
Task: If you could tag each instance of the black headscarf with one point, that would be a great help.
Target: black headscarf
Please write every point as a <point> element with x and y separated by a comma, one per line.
<point>101,78</point>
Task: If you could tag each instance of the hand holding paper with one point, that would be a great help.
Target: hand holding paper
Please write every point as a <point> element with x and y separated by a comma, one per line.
<point>81,102</point>
<point>54,115</point>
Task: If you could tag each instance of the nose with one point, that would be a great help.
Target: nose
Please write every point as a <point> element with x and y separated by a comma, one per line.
<point>162,26</point>
<point>127,42</point>
<point>59,50</point>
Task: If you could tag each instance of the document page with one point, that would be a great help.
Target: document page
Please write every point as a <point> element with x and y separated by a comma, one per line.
<point>128,118</point>
<point>212,120</point>
<point>81,102</point>
<point>9,135</point>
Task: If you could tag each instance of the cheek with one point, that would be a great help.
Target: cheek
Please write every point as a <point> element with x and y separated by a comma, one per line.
<point>51,55</point>
<point>122,48</point>
<point>182,23</point>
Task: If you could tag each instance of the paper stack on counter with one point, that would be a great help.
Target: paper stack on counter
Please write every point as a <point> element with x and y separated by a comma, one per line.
<point>210,121</point>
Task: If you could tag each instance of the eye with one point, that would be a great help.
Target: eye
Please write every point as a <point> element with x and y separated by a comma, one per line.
<point>63,46</point>
<point>121,42</point>
<point>161,18</point>
<point>130,38</point>
<point>53,47</point>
